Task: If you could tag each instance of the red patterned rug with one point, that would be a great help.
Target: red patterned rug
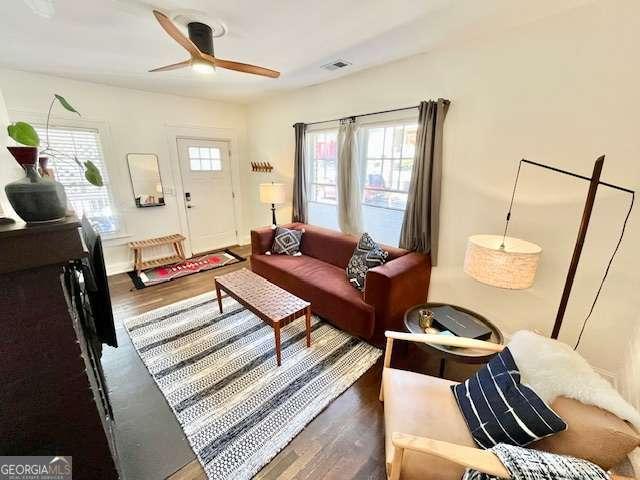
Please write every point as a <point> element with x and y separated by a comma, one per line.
<point>209,261</point>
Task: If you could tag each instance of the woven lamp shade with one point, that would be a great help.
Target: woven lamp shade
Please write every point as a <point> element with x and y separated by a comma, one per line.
<point>512,265</point>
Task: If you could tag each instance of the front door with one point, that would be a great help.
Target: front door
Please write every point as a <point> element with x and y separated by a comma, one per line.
<point>208,193</point>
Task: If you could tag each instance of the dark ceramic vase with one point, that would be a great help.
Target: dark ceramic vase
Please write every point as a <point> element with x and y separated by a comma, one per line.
<point>34,198</point>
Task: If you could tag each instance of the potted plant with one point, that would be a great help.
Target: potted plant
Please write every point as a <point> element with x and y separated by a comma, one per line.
<point>36,198</point>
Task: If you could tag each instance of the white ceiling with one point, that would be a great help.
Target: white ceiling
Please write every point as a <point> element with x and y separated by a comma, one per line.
<point>116,41</point>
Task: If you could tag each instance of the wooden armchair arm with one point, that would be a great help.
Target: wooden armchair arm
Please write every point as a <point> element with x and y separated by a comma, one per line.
<point>444,340</point>
<point>481,460</point>
<point>469,457</point>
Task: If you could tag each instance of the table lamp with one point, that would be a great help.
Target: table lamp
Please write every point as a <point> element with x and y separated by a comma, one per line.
<point>507,262</point>
<point>273,193</point>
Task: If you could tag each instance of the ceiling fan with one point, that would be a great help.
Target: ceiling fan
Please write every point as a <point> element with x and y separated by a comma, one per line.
<point>200,46</point>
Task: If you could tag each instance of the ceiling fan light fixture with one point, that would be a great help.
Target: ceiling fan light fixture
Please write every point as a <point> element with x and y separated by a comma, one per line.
<point>200,66</point>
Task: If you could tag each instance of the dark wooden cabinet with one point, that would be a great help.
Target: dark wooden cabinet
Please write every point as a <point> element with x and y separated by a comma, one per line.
<point>53,399</point>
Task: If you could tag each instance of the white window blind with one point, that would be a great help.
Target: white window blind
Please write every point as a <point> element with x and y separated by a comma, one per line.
<point>96,202</point>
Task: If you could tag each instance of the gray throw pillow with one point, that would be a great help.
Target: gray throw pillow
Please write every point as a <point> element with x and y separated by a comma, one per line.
<point>287,242</point>
<point>367,254</point>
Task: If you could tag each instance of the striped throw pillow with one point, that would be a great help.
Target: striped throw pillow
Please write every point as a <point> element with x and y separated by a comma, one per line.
<point>500,409</point>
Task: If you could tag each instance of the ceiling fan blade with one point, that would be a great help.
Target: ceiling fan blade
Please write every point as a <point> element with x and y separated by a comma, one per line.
<point>176,34</point>
<point>174,66</point>
<point>241,67</point>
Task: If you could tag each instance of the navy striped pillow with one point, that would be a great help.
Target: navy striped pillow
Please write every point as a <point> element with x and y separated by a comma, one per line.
<point>499,409</point>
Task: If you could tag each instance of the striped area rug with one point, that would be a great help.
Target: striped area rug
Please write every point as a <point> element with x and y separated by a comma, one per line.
<point>218,374</point>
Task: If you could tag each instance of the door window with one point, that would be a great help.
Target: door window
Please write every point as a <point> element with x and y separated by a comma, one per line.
<point>207,159</point>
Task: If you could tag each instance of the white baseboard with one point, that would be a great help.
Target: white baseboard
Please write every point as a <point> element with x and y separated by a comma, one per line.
<point>121,267</point>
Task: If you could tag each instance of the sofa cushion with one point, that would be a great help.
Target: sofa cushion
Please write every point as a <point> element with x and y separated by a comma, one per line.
<point>323,285</point>
<point>287,242</point>
<point>366,255</point>
<point>334,247</point>
<point>421,405</point>
<point>593,434</point>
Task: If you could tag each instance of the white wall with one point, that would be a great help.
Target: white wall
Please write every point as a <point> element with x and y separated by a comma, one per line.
<point>562,90</point>
<point>134,122</point>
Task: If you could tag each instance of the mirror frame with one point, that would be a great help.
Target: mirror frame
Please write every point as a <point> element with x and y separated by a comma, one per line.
<point>133,189</point>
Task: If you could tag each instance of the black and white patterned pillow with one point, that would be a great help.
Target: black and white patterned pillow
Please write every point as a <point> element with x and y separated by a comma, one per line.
<point>287,242</point>
<point>367,254</point>
<point>498,408</point>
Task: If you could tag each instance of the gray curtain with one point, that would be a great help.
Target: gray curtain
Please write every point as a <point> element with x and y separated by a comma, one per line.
<point>349,179</point>
<point>300,176</point>
<point>421,217</point>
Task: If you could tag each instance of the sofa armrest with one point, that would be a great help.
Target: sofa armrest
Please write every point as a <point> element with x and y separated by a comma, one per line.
<point>261,240</point>
<point>394,287</point>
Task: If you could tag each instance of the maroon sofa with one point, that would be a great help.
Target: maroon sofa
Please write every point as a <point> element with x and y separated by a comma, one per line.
<point>319,277</point>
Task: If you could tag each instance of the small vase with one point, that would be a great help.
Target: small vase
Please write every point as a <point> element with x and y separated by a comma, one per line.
<point>34,198</point>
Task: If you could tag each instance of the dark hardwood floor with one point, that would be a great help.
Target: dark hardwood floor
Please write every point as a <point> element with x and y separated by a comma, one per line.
<point>345,441</point>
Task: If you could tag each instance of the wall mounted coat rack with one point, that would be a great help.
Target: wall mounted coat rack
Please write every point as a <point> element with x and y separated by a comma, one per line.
<point>261,167</point>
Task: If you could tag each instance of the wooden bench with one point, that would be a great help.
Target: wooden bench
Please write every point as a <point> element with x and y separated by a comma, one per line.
<point>175,240</point>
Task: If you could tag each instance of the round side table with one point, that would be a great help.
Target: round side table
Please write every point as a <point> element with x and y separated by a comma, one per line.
<point>461,355</point>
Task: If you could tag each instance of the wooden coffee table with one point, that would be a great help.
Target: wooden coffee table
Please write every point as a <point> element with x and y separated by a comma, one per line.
<point>275,306</point>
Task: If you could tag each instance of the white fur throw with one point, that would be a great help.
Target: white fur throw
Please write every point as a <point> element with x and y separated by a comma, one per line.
<point>552,369</point>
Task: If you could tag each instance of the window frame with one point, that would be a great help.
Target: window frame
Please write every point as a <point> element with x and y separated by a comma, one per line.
<point>113,186</point>
<point>363,140</point>
<point>310,160</point>
<point>219,160</point>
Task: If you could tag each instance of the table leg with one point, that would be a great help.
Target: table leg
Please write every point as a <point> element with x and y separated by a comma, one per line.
<point>308,325</point>
<point>219,296</point>
<point>276,331</point>
<point>442,368</point>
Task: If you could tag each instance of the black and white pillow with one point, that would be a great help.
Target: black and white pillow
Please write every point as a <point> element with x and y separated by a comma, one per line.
<point>498,408</point>
<point>286,242</point>
<point>367,254</point>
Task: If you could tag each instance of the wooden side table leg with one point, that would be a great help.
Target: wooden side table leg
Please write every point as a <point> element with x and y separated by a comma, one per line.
<point>442,368</point>
<point>276,331</point>
<point>137,259</point>
<point>218,295</point>
<point>308,325</point>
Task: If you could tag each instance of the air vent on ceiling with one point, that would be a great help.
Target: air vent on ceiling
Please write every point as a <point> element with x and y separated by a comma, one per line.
<point>335,65</point>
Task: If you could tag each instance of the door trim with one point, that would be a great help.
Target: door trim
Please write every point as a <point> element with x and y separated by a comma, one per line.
<point>174,132</point>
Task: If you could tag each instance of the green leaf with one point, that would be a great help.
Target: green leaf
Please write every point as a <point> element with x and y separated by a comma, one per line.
<point>92,174</point>
<point>23,133</point>
<point>65,104</point>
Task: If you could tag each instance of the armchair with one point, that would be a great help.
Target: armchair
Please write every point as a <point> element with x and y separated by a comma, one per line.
<point>426,436</point>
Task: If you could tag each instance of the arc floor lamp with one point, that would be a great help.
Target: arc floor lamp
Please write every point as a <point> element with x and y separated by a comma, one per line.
<point>508,262</point>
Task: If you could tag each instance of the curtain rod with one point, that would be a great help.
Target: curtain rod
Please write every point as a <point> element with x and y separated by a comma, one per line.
<point>369,114</point>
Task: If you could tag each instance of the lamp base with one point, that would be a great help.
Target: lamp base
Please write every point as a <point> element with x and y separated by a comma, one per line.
<point>273,216</point>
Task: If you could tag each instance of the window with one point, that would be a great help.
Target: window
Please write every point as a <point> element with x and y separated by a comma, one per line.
<point>322,157</point>
<point>206,159</point>
<point>96,202</point>
<point>386,153</point>
<point>388,160</point>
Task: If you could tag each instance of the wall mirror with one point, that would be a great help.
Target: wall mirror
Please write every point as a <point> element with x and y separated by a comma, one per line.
<point>145,179</point>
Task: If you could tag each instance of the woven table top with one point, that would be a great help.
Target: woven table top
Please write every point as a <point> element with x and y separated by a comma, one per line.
<point>271,300</point>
